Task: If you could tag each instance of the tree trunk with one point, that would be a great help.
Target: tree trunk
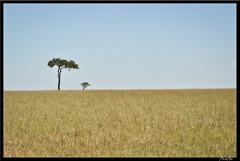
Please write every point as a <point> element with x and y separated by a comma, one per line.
<point>59,78</point>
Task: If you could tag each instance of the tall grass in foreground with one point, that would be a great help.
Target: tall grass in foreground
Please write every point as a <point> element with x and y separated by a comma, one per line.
<point>128,123</point>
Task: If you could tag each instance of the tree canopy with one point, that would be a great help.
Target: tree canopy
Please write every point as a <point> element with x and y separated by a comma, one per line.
<point>62,63</point>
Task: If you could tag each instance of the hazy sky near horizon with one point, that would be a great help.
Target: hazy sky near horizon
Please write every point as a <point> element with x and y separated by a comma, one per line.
<point>120,46</point>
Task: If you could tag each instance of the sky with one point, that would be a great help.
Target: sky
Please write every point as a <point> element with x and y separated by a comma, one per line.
<point>120,46</point>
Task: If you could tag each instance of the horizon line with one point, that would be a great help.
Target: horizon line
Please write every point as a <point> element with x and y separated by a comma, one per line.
<point>117,89</point>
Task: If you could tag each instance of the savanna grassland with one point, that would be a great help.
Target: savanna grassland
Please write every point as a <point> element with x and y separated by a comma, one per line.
<point>120,123</point>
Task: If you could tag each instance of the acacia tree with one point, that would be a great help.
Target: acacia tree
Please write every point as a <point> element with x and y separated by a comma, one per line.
<point>85,84</point>
<point>61,64</point>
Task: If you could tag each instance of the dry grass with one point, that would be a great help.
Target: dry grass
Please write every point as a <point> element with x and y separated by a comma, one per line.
<point>115,123</point>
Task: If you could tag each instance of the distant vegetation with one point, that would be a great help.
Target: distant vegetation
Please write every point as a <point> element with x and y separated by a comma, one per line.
<point>138,123</point>
<point>85,85</point>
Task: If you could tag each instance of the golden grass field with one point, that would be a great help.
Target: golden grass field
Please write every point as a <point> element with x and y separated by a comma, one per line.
<point>120,123</point>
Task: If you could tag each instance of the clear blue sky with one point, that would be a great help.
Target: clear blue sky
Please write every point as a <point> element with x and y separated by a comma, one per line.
<point>120,46</point>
